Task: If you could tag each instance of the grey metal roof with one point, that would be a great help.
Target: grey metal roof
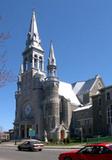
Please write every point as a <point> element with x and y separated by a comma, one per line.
<point>77,86</point>
<point>87,86</point>
<point>65,89</point>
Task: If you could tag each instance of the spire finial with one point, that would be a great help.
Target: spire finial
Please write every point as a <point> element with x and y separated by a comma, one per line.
<point>33,10</point>
<point>52,68</point>
<point>52,59</point>
<point>33,34</point>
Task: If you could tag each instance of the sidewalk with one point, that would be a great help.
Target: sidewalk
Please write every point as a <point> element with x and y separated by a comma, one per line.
<point>12,144</point>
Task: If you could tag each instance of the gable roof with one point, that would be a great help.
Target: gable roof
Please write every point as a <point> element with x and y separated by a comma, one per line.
<point>77,86</point>
<point>65,90</point>
<point>83,87</point>
<point>87,86</point>
<point>59,127</point>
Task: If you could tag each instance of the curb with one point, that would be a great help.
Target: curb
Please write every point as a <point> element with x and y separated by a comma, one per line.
<point>14,145</point>
<point>45,147</point>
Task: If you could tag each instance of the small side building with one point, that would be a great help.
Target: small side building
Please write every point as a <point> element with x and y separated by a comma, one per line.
<point>83,115</point>
<point>102,112</point>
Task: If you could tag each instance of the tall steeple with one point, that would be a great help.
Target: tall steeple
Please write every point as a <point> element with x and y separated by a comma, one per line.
<point>33,38</point>
<point>51,63</point>
<point>33,56</point>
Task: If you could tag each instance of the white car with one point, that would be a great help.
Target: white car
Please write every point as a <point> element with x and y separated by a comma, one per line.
<point>31,145</point>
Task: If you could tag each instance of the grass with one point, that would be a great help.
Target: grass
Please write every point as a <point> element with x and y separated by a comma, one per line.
<point>97,139</point>
<point>61,144</point>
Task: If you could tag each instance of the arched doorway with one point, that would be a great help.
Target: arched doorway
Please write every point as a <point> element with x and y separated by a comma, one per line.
<point>62,134</point>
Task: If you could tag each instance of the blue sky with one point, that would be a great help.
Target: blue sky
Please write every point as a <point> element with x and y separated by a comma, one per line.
<point>81,31</point>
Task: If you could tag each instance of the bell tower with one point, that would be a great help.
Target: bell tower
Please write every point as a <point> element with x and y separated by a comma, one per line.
<point>29,94</point>
<point>33,55</point>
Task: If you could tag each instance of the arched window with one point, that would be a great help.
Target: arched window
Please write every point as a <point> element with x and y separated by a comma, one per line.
<point>108,95</point>
<point>35,61</point>
<point>40,63</point>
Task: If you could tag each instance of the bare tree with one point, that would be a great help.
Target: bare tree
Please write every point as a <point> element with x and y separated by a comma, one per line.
<point>5,74</point>
<point>3,36</point>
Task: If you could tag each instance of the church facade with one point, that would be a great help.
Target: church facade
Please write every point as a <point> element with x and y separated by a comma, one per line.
<point>47,105</point>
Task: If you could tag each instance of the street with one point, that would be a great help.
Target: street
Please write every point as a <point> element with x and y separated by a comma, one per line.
<point>11,153</point>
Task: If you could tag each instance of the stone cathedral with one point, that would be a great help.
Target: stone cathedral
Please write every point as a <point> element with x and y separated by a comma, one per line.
<point>43,102</point>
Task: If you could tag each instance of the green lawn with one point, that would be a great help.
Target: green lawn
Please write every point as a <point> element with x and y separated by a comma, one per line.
<point>87,141</point>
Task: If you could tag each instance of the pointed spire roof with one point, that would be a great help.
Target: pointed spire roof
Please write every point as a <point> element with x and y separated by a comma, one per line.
<point>33,31</point>
<point>33,34</point>
<point>51,59</point>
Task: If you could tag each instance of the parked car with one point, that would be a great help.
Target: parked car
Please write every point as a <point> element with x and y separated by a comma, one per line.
<point>31,145</point>
<point>99,151</point>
